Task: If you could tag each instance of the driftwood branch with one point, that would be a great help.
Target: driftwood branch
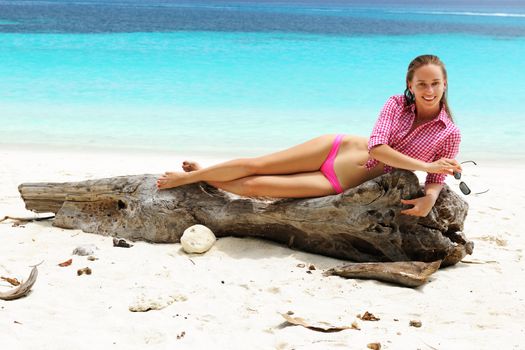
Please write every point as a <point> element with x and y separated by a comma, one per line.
<point>362,224</point>
<point>26,219</point>
<point>407,273</point>
<point>23,289</point>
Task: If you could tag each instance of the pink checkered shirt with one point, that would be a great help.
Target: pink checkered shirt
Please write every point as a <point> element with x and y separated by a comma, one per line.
<point>439,138</point>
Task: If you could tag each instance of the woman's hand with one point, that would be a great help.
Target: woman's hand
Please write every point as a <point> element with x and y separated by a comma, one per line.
<point>421,206</point>
<point>443,166</point>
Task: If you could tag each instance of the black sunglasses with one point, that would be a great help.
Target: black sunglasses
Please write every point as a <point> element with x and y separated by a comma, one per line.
<point>462,185</point>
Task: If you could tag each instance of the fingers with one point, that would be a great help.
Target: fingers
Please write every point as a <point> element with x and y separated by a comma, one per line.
<point>440,167</point>
<point>451,163</point>
<point>412,212</point>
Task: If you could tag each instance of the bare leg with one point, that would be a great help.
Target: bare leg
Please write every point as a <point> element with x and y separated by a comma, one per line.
<point>303,158</point>
<point>312,184</point>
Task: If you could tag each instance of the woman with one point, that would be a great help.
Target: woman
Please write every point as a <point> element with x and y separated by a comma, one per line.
<point>414,131</point>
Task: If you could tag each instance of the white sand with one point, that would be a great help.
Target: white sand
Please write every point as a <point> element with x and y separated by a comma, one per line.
<point>231,297</point>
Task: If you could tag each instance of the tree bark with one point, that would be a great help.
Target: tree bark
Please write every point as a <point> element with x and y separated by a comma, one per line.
<point>362,224</point>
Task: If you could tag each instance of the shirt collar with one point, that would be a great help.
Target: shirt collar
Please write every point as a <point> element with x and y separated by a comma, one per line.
<point>442,116</point>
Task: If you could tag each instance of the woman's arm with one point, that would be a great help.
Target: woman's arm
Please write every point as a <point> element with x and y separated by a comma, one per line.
<point>389,156</point>
<point>423,205</point>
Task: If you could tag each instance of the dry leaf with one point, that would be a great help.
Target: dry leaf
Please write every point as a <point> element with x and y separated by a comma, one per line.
<point>374,346</point>
<point>12,281</point>
<point>66,263</point>
<point>320,326</point>
<point>367,316</point>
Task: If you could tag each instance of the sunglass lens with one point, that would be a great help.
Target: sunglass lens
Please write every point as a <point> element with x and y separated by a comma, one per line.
<point>464,188</point>
<point>457,175</point>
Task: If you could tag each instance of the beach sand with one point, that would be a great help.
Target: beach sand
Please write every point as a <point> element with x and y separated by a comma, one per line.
<point>232,297</point>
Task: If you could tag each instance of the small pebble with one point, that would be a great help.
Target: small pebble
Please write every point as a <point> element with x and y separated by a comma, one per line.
<point>120,242</point>
<point>415,323</point>
<point>85,270</point>
<point>86,249</point>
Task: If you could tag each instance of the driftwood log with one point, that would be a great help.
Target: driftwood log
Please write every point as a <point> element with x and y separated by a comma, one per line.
<point>363,224</point>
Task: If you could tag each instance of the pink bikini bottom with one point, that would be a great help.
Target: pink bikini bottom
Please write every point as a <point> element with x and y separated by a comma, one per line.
<point>328,166</point>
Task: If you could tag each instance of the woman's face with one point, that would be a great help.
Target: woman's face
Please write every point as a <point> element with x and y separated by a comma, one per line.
<point>428,86</point>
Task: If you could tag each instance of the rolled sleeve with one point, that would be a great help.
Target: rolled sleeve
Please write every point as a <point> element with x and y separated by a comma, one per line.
<point>383,128</point>
<point>449,150</point>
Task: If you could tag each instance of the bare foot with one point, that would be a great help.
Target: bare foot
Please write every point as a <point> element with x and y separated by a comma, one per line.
<point>171,179</point>
<point>189,166</point>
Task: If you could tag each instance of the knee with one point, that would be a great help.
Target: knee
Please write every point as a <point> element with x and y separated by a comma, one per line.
<point>253,166</point>
<point>250,187</point>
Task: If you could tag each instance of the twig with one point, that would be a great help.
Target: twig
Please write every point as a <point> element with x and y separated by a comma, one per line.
<point>37,218</point>
<point>40,263</point>
<point>430,346</point>
<point>479,261</point>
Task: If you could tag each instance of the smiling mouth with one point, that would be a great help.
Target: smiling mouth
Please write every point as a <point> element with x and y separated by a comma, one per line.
<point>429,98</point>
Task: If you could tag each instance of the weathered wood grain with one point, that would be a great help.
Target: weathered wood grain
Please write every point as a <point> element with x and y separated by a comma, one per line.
<point>362,224</point>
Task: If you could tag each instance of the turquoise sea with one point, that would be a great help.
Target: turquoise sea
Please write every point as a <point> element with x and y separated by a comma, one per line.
<point>223,78</point>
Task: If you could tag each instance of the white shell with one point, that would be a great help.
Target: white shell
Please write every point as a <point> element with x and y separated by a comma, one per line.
<point>197,239</point>
<point>86,249</point>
